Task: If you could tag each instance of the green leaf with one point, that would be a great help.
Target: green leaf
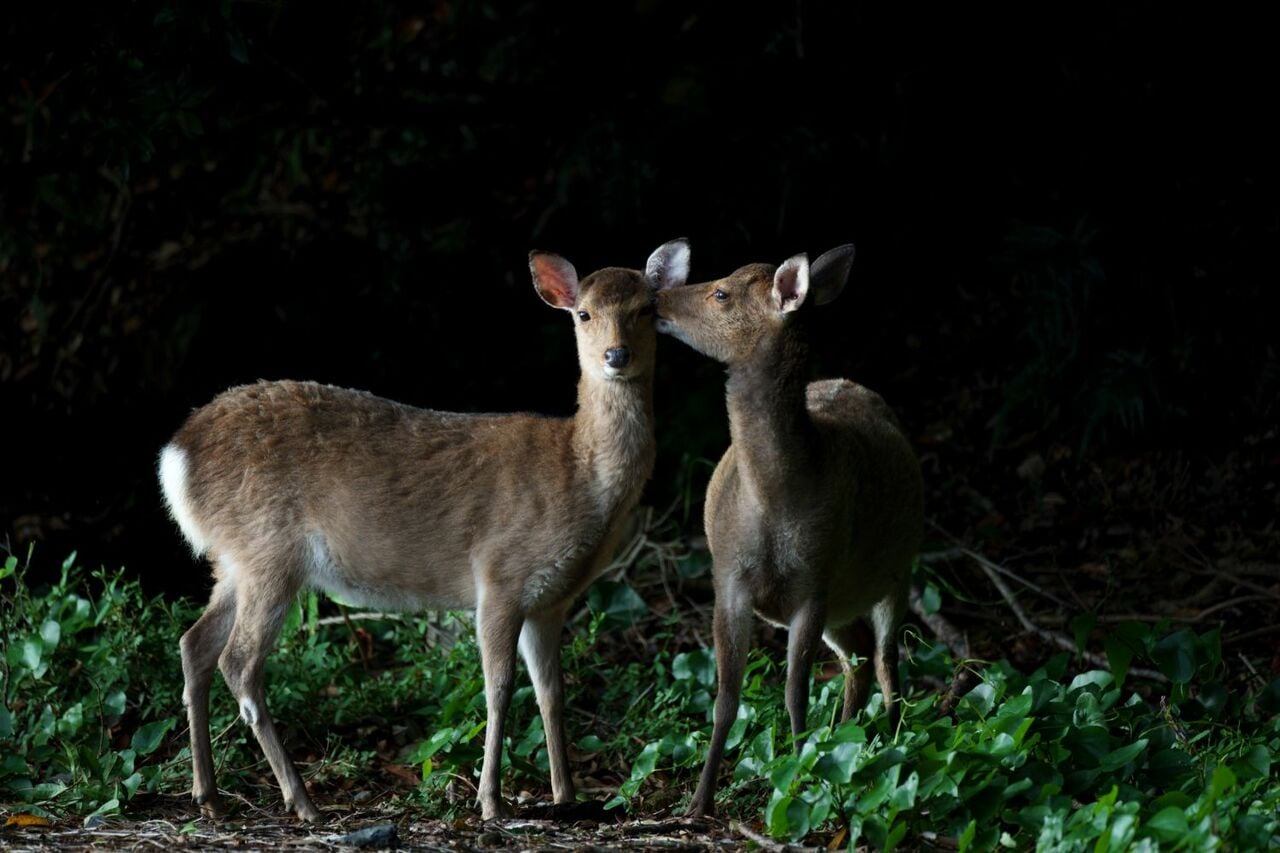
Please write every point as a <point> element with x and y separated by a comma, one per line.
<point>776,817</point>
<point>1223,781</point>
<point>1175,656</point>
<point>788,817</point>
<point>10,566</point>
<point>1254,764</point>
<point>50,633</point>
<point>1209,652</point>
<point>148,737</point>
<point>966,837</point>
<point>620,604</point>
<point>1122,756</point>
<point>591,743</point>
<point>47,791</point>
<point>1094,677</point>
<point>32,649</point>
<point>785,773</point>
<point>114,704</point>
<point>1081,628</point>
<point>645,762</point>
<point>981,699</point>
<point>1252,833</point>
<point>6,722</point>
<point>533,738</point>
<point>1123,827</point>
<point>930,599</point>
<point>111,806</point>
<point>131,784</point>
<point>895,835</point>
<point>1118,657</point>
<point>1169,824</point>
<point>699,666</point>
<point>905,795</point>
<point>72,720</point>
<point>838,764</point>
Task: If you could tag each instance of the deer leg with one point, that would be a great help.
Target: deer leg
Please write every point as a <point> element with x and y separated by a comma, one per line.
<point>200,647</point>
<point>540,647</point>
<point>850,641</point>
<point>498,627</point>
<point>886,616</point>
<point>259,613</point>
<point>732,631</point>
<point>803,634</point>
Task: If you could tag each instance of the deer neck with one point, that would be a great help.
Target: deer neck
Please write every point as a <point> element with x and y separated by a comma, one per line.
<point>773,438</point>
<point>613,439</point>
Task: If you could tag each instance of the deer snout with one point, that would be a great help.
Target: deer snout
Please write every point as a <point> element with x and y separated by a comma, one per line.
<point>617,357</point>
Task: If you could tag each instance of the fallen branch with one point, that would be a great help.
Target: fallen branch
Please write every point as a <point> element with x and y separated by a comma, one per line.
<point>961,550</point>
<point>994,572</point>
<point>766,843</point>
<point>939,625</point>
<point>1060,640</point>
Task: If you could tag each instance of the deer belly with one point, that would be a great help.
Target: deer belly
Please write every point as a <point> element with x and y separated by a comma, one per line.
<point>394,585</point>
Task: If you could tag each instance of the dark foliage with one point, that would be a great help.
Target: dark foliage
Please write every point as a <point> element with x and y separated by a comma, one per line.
<point>1067,215</point>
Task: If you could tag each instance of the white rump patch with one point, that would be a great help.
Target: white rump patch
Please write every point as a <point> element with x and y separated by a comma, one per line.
<point>249,711</point>
<point>173,482</point>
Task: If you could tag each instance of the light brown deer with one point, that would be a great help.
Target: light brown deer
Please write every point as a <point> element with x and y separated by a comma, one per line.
<point>286,485</point>
<point>814,513</point>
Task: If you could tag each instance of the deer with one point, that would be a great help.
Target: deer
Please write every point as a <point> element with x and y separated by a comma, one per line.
<point>814,513</point>
<point>289,485</point>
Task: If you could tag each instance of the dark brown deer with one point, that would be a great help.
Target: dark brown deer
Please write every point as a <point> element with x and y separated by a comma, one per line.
<point>286,485</point>
<point>814,513</point>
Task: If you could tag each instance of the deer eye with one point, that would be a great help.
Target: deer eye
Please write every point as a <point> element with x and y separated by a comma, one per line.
<point>720,295</point>
<point>584,316</point>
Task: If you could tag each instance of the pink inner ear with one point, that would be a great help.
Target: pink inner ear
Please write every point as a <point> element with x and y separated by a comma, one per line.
<point>790,285</point>
<point>556,279</point>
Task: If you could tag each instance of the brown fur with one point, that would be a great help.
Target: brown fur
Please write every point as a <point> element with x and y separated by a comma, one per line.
<point>814,512</point>
<point>293,484</point>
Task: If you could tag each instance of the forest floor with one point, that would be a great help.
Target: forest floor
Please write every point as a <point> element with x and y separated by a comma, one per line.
<point>374,830</point>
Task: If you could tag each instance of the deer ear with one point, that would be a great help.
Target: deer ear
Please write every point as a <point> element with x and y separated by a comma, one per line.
<point>791,283</point>
<point>830,273</point>
<point>555,279</point>
<point>668,266</point>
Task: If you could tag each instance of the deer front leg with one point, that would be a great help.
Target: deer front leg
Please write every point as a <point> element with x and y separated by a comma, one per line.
<point>803,634</point>
<point>540,647</point>
<point>498,629</point>
<point>732,631</point>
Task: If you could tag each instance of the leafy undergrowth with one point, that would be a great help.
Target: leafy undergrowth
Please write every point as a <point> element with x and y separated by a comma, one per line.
<point>387,712</point>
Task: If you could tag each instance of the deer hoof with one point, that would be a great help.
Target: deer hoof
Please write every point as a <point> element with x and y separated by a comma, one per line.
<point>210,805</point>
<point>497,810</point>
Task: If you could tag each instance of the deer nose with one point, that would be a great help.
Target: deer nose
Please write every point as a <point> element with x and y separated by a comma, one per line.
<point>617,357</point>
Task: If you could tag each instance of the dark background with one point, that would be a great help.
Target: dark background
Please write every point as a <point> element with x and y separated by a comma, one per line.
<point>1066,218</point>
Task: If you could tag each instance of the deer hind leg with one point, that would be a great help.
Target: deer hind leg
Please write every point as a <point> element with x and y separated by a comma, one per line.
<point>540,647</point>
<point>260,608</point>
<point>886,618</point>
<point>850,641</point>
<point>200,646</point>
